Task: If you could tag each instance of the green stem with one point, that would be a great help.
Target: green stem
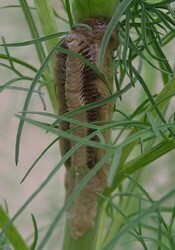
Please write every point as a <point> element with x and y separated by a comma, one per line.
<point>12,234</point>
<point>46,15</point>
<point>33,28</point>
<point>93,8</point>
<point>130,168</point>
<point>90,240</point>
<point>48,25</point>
<point>162,100</point>
<point>136,164</point>
<point>153,154</point>
<point>47,20</point>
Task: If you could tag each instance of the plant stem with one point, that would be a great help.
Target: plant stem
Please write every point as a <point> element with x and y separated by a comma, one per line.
<point>33,28</point>
<point>89,240</point>
<point>48,24</point>
<point>161,101</point>
<point>48,74</point>
<point>12,234</point>
<point>82,9</point>
<point>47,20</point>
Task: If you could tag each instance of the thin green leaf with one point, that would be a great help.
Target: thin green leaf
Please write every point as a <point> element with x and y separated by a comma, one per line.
<point>95,125</point>
<point>124,230</point>
<point>9,58</point>
<point>34,41</point>
<point>101,102</point>
<point>14,6</point>
<point>171,10</point>
<point>144,28</point>
<point>28,98</point>
<point>151,155</point>
<point>114,167</point>
<point>7,84</point>
<point>162,100</point>
<point>165,66</point>
<point>38,158</point>
<point>20,62</point>
<point>66,135</point>
<point>33,29</point>
<point>165,19</point>
<point>83,59</point>
<point>167,38</point>
<point>126,42</point>
<point>140,79</point>
<point>35,240</point>
<point>12,233</point>
<point>172,219</point>
<point>160,4</point>
<point>60,17</point>
<point>68,9</point>
<point>23,89</point>
<point>153,125</point>
<point>114,21</point>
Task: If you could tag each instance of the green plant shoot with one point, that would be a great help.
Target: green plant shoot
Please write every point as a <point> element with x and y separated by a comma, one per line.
<point>83,9</point>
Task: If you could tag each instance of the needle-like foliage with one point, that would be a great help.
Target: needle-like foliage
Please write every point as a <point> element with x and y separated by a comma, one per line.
<point>143,132</point>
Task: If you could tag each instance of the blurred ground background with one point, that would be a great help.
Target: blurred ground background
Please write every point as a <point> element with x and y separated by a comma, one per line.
<point>13,28</point>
